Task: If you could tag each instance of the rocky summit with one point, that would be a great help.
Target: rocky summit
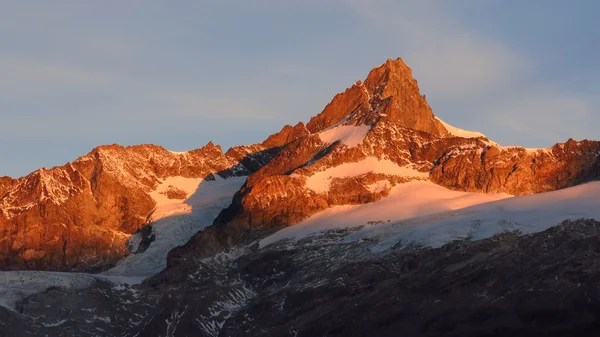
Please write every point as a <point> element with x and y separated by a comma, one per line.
<point>375,218</point>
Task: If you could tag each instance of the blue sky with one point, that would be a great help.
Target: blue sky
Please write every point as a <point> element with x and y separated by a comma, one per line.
<point>77,74</point>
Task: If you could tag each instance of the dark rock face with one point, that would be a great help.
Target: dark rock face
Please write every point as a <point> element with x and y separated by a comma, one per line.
<point>542,284</point>
<point>100,310</point>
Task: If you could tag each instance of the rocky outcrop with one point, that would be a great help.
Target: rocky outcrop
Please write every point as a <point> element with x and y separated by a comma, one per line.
<point>255,156</point>
<point>519,171</point>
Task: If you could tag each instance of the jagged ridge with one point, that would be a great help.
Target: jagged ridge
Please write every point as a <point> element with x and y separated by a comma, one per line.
<point>79,215</point>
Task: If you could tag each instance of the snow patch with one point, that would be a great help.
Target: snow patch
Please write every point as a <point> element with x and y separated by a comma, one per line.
<point>178,152</point>
<point>55,324</point>
<point>536,150</point>
<point>320,181</point>
<point>460,132</point>
<point>349,135</point>
<point>528,150</point>
<point>165,206</point>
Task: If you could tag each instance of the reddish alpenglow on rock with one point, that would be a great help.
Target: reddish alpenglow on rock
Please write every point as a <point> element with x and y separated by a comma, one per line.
<point>373,136</point>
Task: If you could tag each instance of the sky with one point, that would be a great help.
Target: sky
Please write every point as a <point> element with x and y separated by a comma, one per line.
<point>78,74</point>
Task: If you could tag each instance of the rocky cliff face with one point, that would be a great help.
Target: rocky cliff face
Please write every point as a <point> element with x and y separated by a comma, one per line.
<point>80,215</point>
<point>517,170</point>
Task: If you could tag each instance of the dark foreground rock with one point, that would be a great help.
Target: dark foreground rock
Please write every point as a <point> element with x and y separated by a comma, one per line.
<point>543,284</point>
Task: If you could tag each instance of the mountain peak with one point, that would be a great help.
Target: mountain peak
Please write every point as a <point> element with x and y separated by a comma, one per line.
<point>396,95</point>
<point>389,93</point>
<point>392,72</point>
<point>397,65</point>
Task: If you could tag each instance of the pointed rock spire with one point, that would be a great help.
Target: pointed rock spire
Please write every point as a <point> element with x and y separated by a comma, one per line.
<point>389,92</point>
<point>396,95</point>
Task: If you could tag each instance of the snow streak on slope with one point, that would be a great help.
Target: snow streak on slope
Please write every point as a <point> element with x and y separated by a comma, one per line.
<point>203,206</point>
<point>349,135</point>
<point>320,181</point>
<point>527,214</point>
<point>460,132</point>
<point>405,201</point>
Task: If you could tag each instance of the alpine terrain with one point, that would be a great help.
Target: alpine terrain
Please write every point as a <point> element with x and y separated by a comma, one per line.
<point>375,218</point>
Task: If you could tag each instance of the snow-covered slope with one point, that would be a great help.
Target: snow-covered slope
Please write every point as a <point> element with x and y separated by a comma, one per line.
<point>424,213</point>
<point>527,214</point>
<point>178,220</point>
<point>407,200</point>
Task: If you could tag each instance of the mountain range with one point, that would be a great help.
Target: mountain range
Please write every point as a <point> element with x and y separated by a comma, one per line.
<point>340,226</point>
